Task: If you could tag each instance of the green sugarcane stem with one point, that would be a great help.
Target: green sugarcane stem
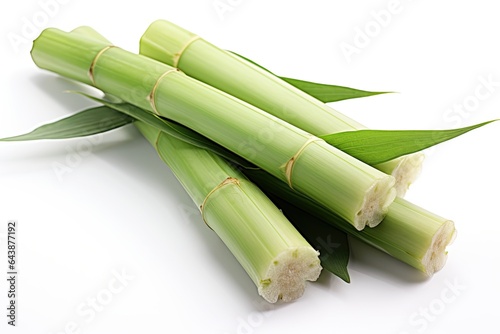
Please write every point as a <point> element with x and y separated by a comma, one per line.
<point>409,233</point>
<point>273,253</point>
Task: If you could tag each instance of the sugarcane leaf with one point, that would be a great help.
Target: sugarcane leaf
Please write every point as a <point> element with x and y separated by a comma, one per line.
<point>323,92</point>
<point>84,123</point>
<point>329,93</point>
<point>371,146</point>
<point>172,128</point>
<point>378,146</point>
<point>332,243</point>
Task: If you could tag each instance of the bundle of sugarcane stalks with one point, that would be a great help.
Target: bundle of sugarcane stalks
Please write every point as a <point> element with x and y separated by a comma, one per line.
<point>272,168</point>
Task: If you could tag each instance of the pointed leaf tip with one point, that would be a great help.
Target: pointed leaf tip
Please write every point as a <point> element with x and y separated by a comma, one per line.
<point>84,123</point>
<point>378,146</point>
<point>323,92</point>
<point>330,93</point>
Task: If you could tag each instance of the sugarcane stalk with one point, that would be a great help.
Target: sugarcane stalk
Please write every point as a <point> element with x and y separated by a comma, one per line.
<point>276,257</point>
<point>409,233</point>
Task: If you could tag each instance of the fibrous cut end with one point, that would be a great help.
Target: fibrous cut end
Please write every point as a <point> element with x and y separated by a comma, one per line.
<point>435,257</point>
<point>376,203</point>
<point>407,171</point>
<point>287,275</point>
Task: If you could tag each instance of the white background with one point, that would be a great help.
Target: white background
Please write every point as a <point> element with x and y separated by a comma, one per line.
<point>120,209</point>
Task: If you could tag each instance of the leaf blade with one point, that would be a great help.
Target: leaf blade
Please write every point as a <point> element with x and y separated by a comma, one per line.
<point>378,146</point>
<point>84,123</point>
<point>329,93</point>
<point>323,92</point>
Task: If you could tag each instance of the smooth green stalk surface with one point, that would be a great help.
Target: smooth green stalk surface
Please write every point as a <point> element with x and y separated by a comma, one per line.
<point>173,45</point>
<point>355,191</point>
<point>275,256</point>
<point>221,69</point>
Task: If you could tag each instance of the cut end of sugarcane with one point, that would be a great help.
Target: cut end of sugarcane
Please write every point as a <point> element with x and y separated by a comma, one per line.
<point>376,203</point>
<point>435,257</point>
<point>287,275</point>
<point>406,171</point>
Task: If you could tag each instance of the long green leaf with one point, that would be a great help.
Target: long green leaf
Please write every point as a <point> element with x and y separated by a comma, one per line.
<point>85,123</point>
<point>377,146</point>
<point>323,92</point>
<point>329,93</point>
<point>371,146</point>
<point>114,115</point>
<point>174,129</point>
